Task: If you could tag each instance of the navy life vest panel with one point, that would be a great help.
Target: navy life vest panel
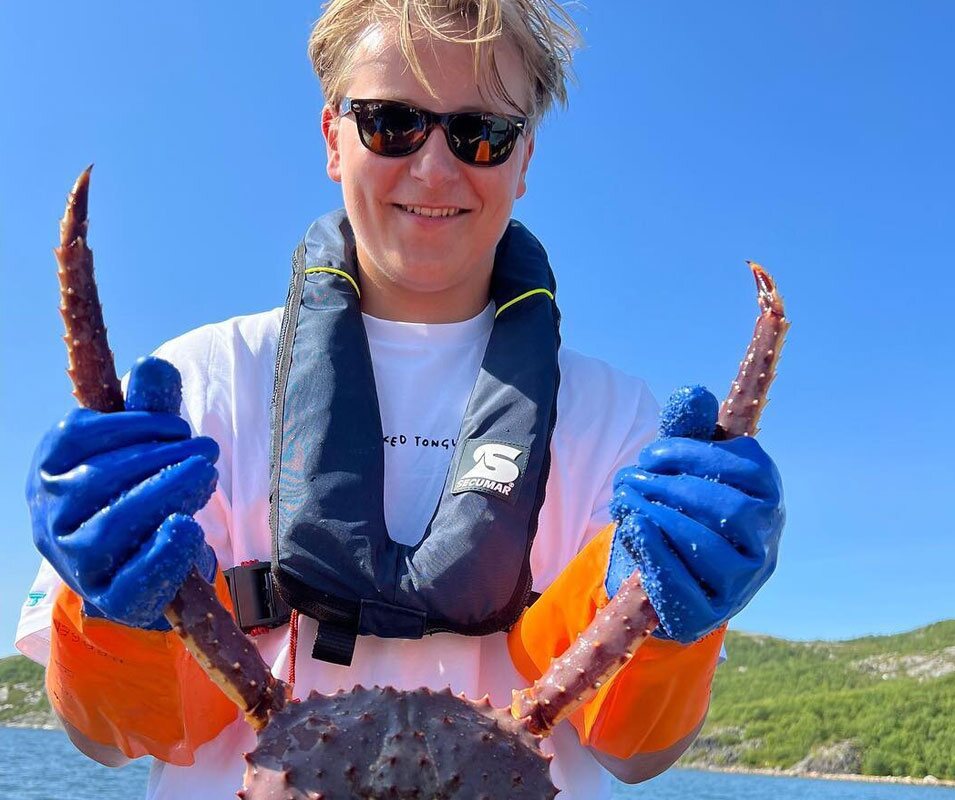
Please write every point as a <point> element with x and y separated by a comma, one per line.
<point>332,558</point>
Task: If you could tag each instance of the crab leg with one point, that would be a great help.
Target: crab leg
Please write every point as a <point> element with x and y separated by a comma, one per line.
<point>207,629</point>
<point>749,393</point>
<point>91,368</point>
<point>620,627</point>
<point>609,642</point>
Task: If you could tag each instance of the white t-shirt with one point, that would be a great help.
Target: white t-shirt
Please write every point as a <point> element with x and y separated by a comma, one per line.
<point>424,375</point>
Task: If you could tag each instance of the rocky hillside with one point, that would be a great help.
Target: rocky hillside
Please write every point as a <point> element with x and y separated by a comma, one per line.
<point>23,700</point>
<point>873,706</point>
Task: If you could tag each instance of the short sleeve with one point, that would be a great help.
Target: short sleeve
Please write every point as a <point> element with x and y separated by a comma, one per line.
<point>197,355</point>
<point>33,629</point>
<point>642,431</point>
<point>604,418</point>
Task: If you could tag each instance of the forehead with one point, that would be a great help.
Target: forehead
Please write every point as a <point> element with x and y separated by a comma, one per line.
<point>381,71</point>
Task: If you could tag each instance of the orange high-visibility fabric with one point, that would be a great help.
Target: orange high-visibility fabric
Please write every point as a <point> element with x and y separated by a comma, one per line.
<point>137,690</point>
<point>654,701</point>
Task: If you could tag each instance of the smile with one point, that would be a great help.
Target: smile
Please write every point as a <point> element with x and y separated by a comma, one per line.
<point>427,211</point>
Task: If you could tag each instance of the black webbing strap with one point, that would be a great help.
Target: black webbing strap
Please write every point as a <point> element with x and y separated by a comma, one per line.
<point>256,601</point>
<point>258,604</point>
<point>335,643</point>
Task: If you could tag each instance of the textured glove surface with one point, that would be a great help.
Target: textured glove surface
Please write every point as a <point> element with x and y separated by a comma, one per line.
<point>701,520</point>
<point>111,500</point>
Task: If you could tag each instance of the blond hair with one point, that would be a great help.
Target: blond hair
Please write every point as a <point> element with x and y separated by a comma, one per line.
<point>542,31</point>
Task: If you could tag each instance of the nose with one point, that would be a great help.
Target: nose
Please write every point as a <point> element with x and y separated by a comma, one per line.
<point>434,164</point>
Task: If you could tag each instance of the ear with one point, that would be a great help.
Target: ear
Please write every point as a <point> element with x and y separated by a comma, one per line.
<point>330,131</point>
<point>522,178</point>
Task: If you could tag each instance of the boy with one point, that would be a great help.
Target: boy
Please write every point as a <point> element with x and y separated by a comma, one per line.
<point>433,448</point>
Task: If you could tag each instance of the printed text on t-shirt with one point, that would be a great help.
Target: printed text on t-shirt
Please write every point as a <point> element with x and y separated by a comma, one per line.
<point>401,439</point>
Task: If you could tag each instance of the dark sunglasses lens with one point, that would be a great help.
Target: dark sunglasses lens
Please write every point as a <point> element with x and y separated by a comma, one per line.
<point>391,130</point>
<point>482,139</point>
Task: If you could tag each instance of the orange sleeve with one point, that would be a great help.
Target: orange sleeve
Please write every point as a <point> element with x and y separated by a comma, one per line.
<point>655,700</point>
<point>137,690</point>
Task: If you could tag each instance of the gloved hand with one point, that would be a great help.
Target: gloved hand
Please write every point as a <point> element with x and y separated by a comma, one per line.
<point>701,520</point>
<point>111,498</point>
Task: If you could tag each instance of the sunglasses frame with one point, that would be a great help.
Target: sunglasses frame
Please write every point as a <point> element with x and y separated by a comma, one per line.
<point>432,119</point>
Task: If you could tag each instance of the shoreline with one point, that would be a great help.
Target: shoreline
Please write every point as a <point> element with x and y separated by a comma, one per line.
<point>929,780</point>
<point>768,772</point>
<point>46,726</point>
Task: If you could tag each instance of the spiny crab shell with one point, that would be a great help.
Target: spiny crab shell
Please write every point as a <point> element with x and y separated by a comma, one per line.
<point>382,743</point>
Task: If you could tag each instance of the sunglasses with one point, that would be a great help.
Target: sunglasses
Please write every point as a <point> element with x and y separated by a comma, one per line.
<point>393,129</point>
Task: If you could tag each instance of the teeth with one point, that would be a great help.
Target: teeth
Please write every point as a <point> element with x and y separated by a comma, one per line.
<point>432,212</point>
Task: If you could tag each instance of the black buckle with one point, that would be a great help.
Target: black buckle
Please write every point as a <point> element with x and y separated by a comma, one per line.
<point>256,601</point>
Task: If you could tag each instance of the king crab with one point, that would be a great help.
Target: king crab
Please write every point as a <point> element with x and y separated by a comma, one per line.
<point>382,742</point>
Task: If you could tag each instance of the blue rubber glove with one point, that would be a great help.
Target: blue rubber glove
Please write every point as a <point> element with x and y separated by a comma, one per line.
<point>701,520</point>
<point>111,498</point>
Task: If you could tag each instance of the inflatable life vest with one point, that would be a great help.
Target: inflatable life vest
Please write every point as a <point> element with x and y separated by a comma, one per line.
<point>332,558</point>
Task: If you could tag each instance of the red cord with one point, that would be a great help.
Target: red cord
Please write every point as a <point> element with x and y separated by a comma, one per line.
<point>293,646</point>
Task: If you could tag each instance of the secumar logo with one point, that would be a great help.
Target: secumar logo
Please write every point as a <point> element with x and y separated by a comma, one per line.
<point>495,468</point>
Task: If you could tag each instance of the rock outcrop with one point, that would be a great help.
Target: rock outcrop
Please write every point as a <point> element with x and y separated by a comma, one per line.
<point>839,758</point>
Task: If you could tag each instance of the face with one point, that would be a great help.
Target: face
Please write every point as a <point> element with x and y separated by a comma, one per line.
<point>433,268</point>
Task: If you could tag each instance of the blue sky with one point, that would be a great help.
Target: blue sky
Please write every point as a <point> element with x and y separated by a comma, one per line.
<point>814,137</point>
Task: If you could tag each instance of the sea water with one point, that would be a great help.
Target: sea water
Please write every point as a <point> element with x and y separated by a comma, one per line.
<point>43,765</point>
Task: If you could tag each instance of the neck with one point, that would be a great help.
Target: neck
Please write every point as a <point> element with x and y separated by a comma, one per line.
<point>384,299</point>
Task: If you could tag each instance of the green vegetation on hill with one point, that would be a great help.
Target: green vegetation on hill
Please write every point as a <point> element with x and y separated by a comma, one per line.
<point>17,669</point>
<point>22,694</point>
<point>875,706</point>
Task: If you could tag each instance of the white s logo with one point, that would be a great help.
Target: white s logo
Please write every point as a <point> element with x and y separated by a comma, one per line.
<point>495,462</point>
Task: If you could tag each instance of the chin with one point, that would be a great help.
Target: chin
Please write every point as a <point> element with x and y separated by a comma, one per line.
<point>424,278</point>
